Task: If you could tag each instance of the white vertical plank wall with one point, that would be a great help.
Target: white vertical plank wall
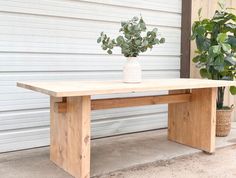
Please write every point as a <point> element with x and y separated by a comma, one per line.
<point>55,40</point>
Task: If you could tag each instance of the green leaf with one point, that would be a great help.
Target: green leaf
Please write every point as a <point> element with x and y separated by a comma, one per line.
<point>130,27</point>
<point>203,58</point>
<point>231,26</point>
<point>135,18</point>
<point>155,30</point>
<point>157,41</point>
<point>219,60</point>
<point>114,41</point>
<point>231,60</point>
<point>221,3</point>
<point>199,12</point>
<point>138,42</point>
<point>143,26</point>
<point>123,23</point>
<point>109,51</point>
<point>222,37</point>
<point>104,47</point>
<point>196,59</point>
<point>162,40</point>
<point>219,63</point>
<point>203,44</point>
<point>193,36</point>
<point>232,41</point>
<point>200,30</point>
<point>153,34</point>
<point>216,49</point>
<point>128,36</point>
<point>141,18</point>
<point>233,90</point>
<point>209,25</point>
<point>218,15</point>
<point>110,45</point>
<point>226,47</point>
<point>204,73</point>
<point>120,39</point>
<point>137,27</point>
<point>99,40</point>
<point>145,43</point>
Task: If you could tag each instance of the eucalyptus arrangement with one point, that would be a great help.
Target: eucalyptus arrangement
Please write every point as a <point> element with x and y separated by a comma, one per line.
<point>134,39</point>
<point>216,48</point>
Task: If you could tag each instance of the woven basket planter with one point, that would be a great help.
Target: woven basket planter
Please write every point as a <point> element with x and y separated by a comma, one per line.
<point>223,122</point>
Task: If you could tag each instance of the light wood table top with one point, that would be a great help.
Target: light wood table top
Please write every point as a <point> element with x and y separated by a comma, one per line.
<point>83,88</point>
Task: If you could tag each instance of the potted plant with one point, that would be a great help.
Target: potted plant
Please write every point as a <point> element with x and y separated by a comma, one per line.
<point>133,41</point>
<point>216,57</point>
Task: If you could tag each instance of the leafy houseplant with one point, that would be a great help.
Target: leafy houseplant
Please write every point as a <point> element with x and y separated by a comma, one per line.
<point>133,41</point>
<point>216,50</point>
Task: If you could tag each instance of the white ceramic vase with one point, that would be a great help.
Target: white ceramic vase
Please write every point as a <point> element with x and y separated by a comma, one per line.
<point>132,72</point>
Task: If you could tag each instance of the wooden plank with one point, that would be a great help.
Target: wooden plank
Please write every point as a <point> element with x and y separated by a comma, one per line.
<point>83,88</point>
<point>196,5</point>
<point>98,104</point>
<point>138,101</point>
<point>193,123</point>
<point>61,105</point>
<point>185,38</point>
<point>70,136</point>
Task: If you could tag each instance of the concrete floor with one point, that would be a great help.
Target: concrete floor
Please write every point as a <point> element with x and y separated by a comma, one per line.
<point>109,155</point>
<point>199,165</point>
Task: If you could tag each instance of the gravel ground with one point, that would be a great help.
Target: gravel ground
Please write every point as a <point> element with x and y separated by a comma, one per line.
<point>222,164</point>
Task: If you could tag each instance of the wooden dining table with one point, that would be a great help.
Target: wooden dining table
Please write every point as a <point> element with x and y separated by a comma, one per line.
<point>191,113</point>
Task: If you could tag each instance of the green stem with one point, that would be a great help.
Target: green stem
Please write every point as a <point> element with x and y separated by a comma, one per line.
<point>220,97</point>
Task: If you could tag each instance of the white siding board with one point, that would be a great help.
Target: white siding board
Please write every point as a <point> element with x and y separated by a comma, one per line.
<point>84,10</point>
<point>39,117</point>
<point>16,140</point>
<point>129,124</point>
<point>61,25</point>
<point>55,40</point>
<point>81,48</point>
<point>11,77</point>
<point>160,5</point>
<point>15,62</point>
<point>44,28</point>
<point>24,119</point>
<point>28,39</point>
<point>35,137</point>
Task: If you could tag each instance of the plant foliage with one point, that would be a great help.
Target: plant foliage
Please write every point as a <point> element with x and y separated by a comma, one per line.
<point>131,41</point>
<point>216,48</point>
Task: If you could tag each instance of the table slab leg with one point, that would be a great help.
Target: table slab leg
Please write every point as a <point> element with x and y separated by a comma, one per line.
<point>193,123</point>
<point>70,136</point>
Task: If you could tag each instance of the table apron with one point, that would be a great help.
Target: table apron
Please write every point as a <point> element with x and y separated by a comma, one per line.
<point>98,104</point>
